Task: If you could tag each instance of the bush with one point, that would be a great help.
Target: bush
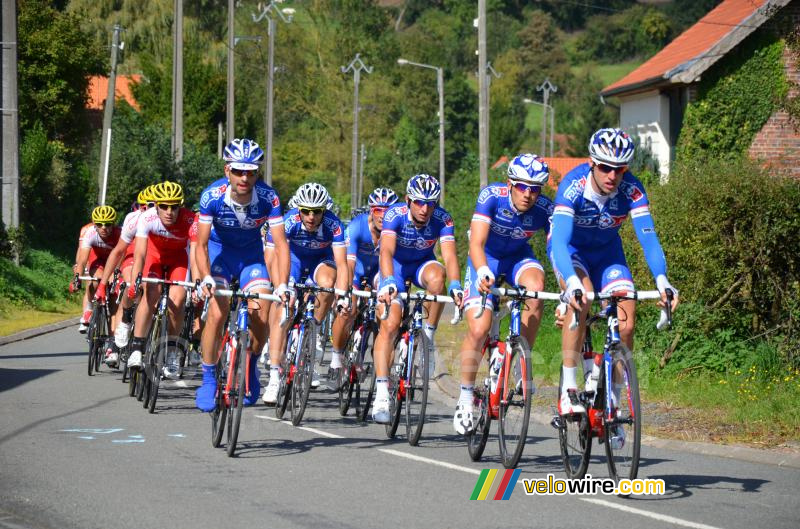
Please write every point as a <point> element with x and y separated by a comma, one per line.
<point>730,231</point>
<point>39,282</point>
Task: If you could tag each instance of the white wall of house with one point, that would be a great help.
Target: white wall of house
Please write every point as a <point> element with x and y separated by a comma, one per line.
<point>646,116</point>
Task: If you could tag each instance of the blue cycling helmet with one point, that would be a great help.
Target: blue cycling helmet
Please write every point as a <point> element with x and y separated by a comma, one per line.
<point>382,196</point>
<point>611,147</point>
<point>528,168</point>
<point>243,154</point>
<point>423,187</point>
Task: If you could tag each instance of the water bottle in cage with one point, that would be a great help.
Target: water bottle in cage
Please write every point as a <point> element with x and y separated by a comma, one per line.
<point>495,364</point>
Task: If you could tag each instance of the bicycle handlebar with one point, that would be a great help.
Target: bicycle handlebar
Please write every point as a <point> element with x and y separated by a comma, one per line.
<point>420,296</point>
<point>155,280</point>
<point>666,312</point>
<point>516,293</point>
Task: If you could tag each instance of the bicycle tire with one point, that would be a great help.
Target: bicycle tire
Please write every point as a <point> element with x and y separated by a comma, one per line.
<point>149,357</point>
<point>285,389</point>
<point>220,413</point>
<point>367,377</point>
<point>347,378</point>
<point>476,439</point>
<point>623,463</point>
<point>102,336</point>
<point>301,386</point>
<point>417,389</point>
<point>158,368</point>
<point>91,334</point>
<point>575,441</point>
<point>515,414</point>
<point>395,399</point>
<point>239,388</point>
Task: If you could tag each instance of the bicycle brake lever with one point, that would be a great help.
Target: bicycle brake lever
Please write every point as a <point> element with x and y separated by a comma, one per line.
<point>574,323</point>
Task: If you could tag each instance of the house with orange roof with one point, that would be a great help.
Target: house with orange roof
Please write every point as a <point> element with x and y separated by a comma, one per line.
<point>654,96</point>
<point>558,165</point>
<point>97,93</point>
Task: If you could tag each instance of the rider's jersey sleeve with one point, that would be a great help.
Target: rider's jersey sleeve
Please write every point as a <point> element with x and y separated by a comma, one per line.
<point>447,231</point>
<point>566,202</point>
<point>645,230</point>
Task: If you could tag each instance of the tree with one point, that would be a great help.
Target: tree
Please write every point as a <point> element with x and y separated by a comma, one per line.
<point>55,61</point>
<point>587,114</point>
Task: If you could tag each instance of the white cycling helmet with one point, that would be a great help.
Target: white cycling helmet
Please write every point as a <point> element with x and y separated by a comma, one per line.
<point>611,147</point>
<point>292,203</point>
<point>311,195</point>
<point>528,168</point>
<point>423,187</point>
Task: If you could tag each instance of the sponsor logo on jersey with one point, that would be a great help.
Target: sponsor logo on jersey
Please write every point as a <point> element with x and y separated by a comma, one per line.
<point>448,221</point>
<point>527,220</point>
<point>504,213</point>
<point>613,273</point>
<point>254,272</point>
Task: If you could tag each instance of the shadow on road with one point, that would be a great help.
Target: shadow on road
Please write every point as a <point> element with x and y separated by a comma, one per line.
<point>685,485</point>
<point>11,378</point>
<point>42,355</point>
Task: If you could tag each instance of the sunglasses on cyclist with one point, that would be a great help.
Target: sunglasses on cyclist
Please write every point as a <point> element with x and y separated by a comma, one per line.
<point>315,211</point>
<point>522,188</point>
<point>104,224</point>
<point>242,172</point>
<point>609,168</point>
<point>165,207</point>
<point>378,209</point>
<point>422,203</point>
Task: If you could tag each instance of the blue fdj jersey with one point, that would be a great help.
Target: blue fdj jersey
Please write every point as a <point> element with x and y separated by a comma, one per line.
<point>304,243</point>
<point>238,225</point>
<point>509,230</point>
<point>579,221</point>
<point>360,246</point>
<point>414,244</point>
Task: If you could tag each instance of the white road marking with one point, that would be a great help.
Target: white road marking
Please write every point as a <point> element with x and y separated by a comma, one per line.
<point>451,466</point>
<point>654,516</point>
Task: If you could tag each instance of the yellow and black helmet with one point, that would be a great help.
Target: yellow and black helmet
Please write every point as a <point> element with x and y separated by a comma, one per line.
<point>104,215</point>
<point>167,193</point>
<point>145,195</point>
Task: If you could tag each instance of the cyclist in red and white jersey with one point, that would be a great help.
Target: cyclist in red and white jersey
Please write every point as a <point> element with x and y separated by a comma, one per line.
<point>162,241</point>
<point>97,241</point>
<point>122,256</point>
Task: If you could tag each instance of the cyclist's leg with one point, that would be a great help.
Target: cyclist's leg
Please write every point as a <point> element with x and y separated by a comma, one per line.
<point>528,272</point>
<point>383,349</point>
<point>125,309</point>
<point>325,276</point>
<point>614,275</point>
<point>343,322</point>
<point>144,310</point>
<point>572,340</point>
<point>255,278</point>
<point>277,337</point>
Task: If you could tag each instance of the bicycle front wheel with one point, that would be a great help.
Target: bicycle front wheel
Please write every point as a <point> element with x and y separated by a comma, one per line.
<point>220,413</point>
<point>301,385</point>
<point>157,361</point>
<point>238,388</point>
<point>476,439</point>
<point>347,375</point>
<point>515,402</point>
<point>93,337</point>
<point>417,388</point>
<point>396,387</point>
<point>623,433</point>
<point>366,374</point>
<point>575,441</point>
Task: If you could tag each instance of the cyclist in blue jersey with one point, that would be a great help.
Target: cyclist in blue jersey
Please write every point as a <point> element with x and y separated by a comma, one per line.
<point>317,248</point>
<point>409,234</point>
<point>506,217</point>
<point>232,212</point>
<point>585,248</point>
<point>362,236</point>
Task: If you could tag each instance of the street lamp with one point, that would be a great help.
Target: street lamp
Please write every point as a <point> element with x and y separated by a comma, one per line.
<point>440,89</point>
<point>552,121</point>
<point>285,15</point>
<point>355,66</point>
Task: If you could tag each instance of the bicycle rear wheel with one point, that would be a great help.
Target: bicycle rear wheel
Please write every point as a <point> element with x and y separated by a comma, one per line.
<point>476,439</point>
<point>220,413</point>
<point>622,455</point>
<point>366,378</point>
<point>417,388</point>
<point>347,376</point>
<point>287,380</point>
<point>93,337</point>
<point>301,385</point>
<point>515,407</point>
<point>238,387</point>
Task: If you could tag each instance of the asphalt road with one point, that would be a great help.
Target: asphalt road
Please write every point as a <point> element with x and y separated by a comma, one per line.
<point>77,452</point>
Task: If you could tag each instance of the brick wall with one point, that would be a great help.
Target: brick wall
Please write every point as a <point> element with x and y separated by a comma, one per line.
<point>778,142</point>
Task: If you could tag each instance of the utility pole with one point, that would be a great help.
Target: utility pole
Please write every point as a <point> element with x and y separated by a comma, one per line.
<point>105,147</point>
<point>546,87</point>
<point>271,28</point>
<point>177,84</point>
<point>229,105</point>
<point>10,119</point>
<point>361,176</point>
<point>356,65</point>
<point>440,89</point>
<point>483,97</point>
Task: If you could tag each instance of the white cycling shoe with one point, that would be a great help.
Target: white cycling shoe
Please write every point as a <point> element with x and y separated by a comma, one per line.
<point>271,393</point>
<point>569,404</point>
<point>121,334</point>
<point>381,411</point>
<point>135,360</point>
<point>463,420</point>
<point>315,379</point>
<point>617,439</point>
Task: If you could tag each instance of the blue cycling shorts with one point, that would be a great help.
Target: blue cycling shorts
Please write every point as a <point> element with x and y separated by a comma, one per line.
<point>605,266</point>
<point>245,264</point>
<point>511,266</point>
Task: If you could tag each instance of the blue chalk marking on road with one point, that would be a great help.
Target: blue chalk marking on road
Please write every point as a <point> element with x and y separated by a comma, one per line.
<point>136,436</point>
<point>176,435</point>
<point>126,441</point>
<point>97,431</point>
<point>86,437</point>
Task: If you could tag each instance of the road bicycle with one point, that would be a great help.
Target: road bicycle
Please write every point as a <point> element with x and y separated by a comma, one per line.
<point>408,377</point>
<point>505,395</point>
<point>233,384</point>
<point>614,414</point>
<point>98,327</point>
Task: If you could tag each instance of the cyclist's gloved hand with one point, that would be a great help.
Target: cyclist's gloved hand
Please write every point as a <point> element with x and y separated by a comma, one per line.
<point>456,292</point>
<point>342,303</point>
<point>388,289</point>
<point>100,293</point>
<point>208,285</point>
<point>486,278</point>
<point>284,292</point>
<point>74,285</point>
<point>662,284</point>
<point>132,291</point>
<point>561,313</point>
<point>573,285</point>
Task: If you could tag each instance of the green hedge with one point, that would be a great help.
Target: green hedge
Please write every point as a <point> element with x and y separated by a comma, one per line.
<point>41,281</point>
